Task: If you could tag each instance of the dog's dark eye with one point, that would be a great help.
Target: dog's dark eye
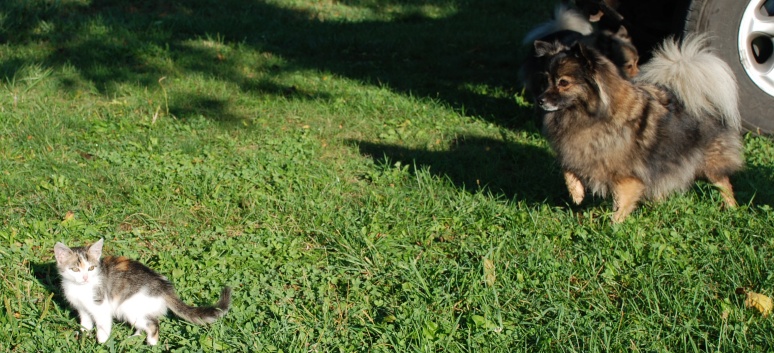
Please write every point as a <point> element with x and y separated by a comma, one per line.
<point>563,83</point>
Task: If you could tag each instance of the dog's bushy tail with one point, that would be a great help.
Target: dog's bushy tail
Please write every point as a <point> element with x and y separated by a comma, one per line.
<point>702,81</point>
<point>565,19</point>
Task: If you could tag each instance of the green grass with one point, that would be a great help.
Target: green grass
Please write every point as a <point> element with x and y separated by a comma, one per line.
<point>362,172</point>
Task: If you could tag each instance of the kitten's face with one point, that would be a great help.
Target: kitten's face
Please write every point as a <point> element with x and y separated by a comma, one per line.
<point>78,265</point>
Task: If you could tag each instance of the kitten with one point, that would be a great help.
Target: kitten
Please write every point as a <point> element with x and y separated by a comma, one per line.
<point>117,287</point>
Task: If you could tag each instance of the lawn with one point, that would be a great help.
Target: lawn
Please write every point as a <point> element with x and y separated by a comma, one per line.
<point>365,174</point>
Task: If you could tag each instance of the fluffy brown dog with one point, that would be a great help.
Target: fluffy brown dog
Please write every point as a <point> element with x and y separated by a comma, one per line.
<point>568,27</point>
<point>676,122</point>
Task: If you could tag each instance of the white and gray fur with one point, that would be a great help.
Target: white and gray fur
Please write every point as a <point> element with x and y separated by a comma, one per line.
<point>565,19</point>
<point>102,289</point>
<point>700,79</point>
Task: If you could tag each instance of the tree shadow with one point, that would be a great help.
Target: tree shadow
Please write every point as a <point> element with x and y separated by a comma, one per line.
<point>468,59</point>
<point>187,106</point>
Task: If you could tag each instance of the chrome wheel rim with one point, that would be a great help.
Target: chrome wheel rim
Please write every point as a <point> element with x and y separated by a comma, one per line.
<point>756,43</point>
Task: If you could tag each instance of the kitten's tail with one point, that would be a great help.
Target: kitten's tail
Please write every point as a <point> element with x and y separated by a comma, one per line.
<point>565,19</point>
<point>203,314</point>
<point>702,81</point>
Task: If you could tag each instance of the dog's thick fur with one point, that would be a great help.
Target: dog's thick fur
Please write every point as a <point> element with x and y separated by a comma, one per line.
<point>565,19</point>
<point>569,26</point>
<point>678,121</point>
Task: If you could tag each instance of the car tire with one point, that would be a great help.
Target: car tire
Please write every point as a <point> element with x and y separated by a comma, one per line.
<point>727,22</point>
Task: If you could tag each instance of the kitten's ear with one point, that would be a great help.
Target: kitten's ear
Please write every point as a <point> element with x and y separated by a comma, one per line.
<point>95,250</point>
<point>61,252</point>
<point>543,48</point>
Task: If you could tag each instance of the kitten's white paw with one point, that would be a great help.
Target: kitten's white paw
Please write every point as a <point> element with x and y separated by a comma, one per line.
<point>152,341</point>
<point>87,324</point>
<point>102,335</point>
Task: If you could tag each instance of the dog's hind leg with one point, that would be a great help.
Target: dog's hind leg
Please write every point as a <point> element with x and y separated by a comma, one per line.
<point>626,193</point>
<point>726,190</point>
<point>575,187</point>
<point>722,158</point>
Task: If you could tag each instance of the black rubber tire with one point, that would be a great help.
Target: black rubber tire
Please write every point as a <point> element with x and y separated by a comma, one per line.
<point>720,19</point>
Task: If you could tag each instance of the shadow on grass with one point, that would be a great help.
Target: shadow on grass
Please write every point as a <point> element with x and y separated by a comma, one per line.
<point>214,108</point>
<point>47,275</point>
<point>526,173</point>
<point>519,172</point>
<point>753,185</point>
<point>468,58</point>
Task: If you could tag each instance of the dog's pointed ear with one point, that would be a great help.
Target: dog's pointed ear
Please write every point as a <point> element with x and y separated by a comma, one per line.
<point>583,53</point>
<point>622,32</point>
<point>543,48</point>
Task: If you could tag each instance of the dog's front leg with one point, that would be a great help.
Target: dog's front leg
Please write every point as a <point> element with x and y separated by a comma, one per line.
<point>574,185</point>
<point>626,193</point>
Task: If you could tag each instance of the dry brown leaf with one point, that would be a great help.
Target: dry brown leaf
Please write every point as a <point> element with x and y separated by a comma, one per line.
<point>489,272</point>
<point>763,303</point>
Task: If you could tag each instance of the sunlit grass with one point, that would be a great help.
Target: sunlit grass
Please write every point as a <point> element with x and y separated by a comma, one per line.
<point>365,174</point>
